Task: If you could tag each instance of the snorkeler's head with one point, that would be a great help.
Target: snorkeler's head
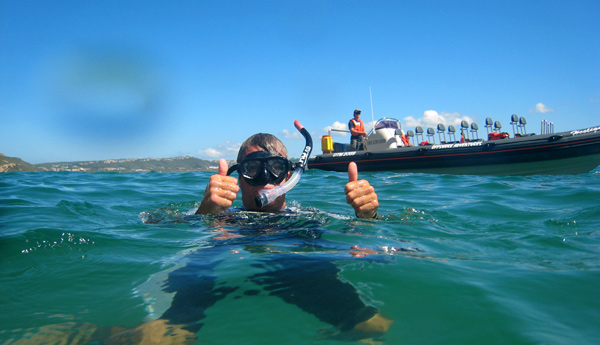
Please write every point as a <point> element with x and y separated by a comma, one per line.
<point>262,160</point>
<point>267,142</point>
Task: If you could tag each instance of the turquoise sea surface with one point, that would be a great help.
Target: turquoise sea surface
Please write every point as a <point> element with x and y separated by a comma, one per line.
<point>453,259</point>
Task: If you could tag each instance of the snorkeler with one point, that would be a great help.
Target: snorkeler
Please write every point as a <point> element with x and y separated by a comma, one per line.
<point>262,163</point>
<point>312,284</point>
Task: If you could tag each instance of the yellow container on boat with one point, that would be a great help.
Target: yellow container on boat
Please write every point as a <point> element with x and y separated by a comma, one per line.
<point>326,143</point>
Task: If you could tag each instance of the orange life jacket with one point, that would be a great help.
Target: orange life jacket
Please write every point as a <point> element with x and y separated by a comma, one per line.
<point>358,126</point>
<point>405,140</point>
<point>497,136</point>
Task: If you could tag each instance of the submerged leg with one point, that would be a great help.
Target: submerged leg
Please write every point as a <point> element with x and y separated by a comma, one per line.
<point>313,285</point>
<point>195,290</point>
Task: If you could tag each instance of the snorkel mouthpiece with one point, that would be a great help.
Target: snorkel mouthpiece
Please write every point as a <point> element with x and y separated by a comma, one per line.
<point>267,196</point>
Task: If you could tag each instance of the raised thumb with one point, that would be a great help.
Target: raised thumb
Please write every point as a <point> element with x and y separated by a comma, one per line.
<point>352,172</point>
<point>223,167</point>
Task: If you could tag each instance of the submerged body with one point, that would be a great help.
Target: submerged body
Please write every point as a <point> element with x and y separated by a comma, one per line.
<point>287,258</point>
<point>294,263</point>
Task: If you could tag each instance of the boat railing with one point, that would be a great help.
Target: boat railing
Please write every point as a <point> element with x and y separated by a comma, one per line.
<point>388,122</point>
<point>338,130</point>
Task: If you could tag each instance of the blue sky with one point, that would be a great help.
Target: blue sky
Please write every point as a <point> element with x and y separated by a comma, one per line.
<point>90,80</point>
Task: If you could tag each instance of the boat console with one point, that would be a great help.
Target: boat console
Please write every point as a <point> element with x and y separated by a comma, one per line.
<point>386,134</point>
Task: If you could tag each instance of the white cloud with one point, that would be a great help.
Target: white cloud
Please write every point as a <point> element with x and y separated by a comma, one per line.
<point>432,118</point>
<point>542,108</point>
<point>226,150</point>
<point>210,152</point>
<point>291,135</point>
<point>337,125</point>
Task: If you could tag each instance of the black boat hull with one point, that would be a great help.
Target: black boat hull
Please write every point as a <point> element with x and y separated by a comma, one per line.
<point>573,152</point>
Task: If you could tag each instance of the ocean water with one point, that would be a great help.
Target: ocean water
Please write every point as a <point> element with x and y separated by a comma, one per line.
<point>453,260</point>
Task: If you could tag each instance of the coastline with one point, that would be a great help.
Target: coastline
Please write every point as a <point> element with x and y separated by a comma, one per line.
<point>126,165</point>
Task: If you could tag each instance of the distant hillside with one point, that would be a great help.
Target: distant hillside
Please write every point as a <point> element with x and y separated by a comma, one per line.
<point>177,164</point>
<point>8,164</point>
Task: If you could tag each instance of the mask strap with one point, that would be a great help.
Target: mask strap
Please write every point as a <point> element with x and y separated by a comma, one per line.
<point>232,169</point>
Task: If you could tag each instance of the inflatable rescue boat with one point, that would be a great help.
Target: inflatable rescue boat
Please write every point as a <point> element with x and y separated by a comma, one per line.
<point>389,148</point>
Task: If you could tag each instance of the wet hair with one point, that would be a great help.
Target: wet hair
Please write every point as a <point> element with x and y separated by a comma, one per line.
<point>267,142</point>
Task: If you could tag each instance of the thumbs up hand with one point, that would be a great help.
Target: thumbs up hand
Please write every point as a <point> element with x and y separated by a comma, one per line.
<point>360,194</point>
<point>220,192</point>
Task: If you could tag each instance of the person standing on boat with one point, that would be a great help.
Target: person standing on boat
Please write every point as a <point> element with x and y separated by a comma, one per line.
<point>357,130</point>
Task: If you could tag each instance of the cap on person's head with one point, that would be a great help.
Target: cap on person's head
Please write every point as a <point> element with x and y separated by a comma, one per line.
<point>357,111</point>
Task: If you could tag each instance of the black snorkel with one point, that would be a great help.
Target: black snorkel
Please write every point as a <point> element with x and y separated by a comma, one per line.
<point>267,196</point>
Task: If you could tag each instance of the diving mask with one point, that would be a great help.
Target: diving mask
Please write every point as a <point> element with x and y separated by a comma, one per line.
<point>261,168</point>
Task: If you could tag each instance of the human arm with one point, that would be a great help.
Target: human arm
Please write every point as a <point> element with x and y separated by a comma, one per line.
<point>220,192</point>
<point>360,194</point>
